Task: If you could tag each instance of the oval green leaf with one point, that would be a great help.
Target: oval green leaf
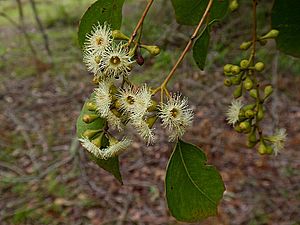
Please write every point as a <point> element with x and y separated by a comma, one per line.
<point>190,12</point>
<point>101,11</point>
<point>111,165</point>
<point>200,49</point>
<point>193,189</point>
<point>286,19</point>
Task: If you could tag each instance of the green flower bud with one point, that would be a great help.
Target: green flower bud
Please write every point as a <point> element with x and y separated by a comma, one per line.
<point>152,49</point>
<point>268,91</point>
<point>227,68</point>
<point>262,148</point>
<point>248,83</point>
<point>238,91</point>
<point>260,112</point>
<point>151,121</point>
<point>118,35</point>
<point>90,133</point>
<point>236,80</point>
<point>253,93</point>
<point>235,69</point>
<point>245,125</point>
<point>249,113</point>
<point>227,82</point>
<point>259,66</point>
<point>98,140</point>
<point>233,5</point>
<point>237,128</point>
<point>244,64</point>
<point>271,34</point>
<point>245,45</point>
<point>249,107</point>
<point>91,106</point>
<point>88,118</point>
<point>252,136</point>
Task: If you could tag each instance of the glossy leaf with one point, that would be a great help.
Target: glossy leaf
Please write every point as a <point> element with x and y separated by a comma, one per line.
<point>286,19</point>
<point>200,49</point>
<point>111,165</point>
<point>189,12</point>
<point>100,11</point>
<point>193,189</point>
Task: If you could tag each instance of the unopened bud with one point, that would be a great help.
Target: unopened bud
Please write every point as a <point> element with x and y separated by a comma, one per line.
<point>88,118</point>
<point>260,113</point>
<point>249,113</point>
<point>235,69</point>
<point>245,45</point>
<point>227,82</point>
<point>253,93</point>
<point>227,68</point>
<point>268,91</point>
<point>248,83</point>
<point>152,49</point>
<point>233,5</point>
<point>118,35</point>
<point>151,121</point>
<point>262,148</point>
<point>91,133</point>
<point>271,34</point>
<point>245,125</point>
<point>236,80</point>
<point>259,66</point>
<point>91,106</point>
<point>238,91</point>
<point>252,136</point>
<point>244,64</point>
<point>98,140</point>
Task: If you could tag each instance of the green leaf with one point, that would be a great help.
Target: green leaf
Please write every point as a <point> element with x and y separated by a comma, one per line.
<point>101,11</point>
<point>200,49</point>
<point>286,19</point>
<point>193,189</point>
<point>189,12</point>
<point>111,165</point>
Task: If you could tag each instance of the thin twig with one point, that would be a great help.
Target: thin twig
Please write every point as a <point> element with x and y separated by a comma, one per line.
<point>140,23</point>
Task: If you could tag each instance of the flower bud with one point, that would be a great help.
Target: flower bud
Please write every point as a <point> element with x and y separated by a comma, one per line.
<point>251,144</point>
<point>248,83</point>
<point>244,64</point>
<point>237,128</point>
<point>245,45</point>
<point>253,93</point>
<point>271,34</point>
<point>249,113</point>
<point>98,140</point>
<point>245,125</point>
<point>118,35</point>
<point>233,5</point>
<point>88,118</point>
<point>259,66</point>
<point>152,49</point>
<point>260,113</point>
<point>227,68</point>
<point>235,69</point>
<point>249,107</point>
<point>153,106</point>
<point>227,82</point>
<point>151,121</point>
<point>91,133</point>
<point>236,80</point>
<point>268,91</point>
<point>262,148</point>
<point>252,136</point>
<point>91,106</point>
<point>238,91</point>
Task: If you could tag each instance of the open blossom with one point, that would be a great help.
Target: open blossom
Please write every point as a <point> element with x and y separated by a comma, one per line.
<point>92,61</point>
<point>99,38</point>
<point>233,111</point>
<point>92,148</point>
<point>103,98</point>
<point>115,61</point>
<point>114,121</point>
<point>176,116</point>
<point>116,147</point>
<point>278,140</point>
<point>143,129</point>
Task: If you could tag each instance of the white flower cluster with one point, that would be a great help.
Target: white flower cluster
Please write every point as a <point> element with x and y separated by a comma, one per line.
<point>102,56</point>
<point>128,104</point>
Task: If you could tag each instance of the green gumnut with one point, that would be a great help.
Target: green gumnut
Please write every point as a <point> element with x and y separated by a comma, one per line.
<point>271,34</point>
<point>245,45</point>
<point>268,91</point>
<point>236,80</point>
<point>238,91</point>
<point>249,107</point>
<point>118,35</point>
<point>262,148</point>
<point>245,125</point>
<point>233,5</point>
<point>235,69</point>
<point>227,68</point>
<point>252,136</point>
<point>152,49</point>
<point>248,83</point>
<point>244,64</point>
<point>259,66</point>
<point>253,93</point>
<point>227,82</point>
<point>260,113</point>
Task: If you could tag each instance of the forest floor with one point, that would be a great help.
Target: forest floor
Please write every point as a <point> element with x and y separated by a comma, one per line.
<point>46,177</point>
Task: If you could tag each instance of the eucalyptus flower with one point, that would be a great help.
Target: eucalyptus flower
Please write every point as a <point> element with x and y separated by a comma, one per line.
<point>103,98</point>
<point>92,148</point>
<point>176,116</point>
<point>99,39</point>
<point>278,140</point>
<point>233,111</point>
<point>92,61</point>
<point>116,147</point>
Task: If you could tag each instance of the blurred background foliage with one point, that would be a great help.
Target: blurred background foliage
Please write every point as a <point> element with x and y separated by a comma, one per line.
<point>45,177</point>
